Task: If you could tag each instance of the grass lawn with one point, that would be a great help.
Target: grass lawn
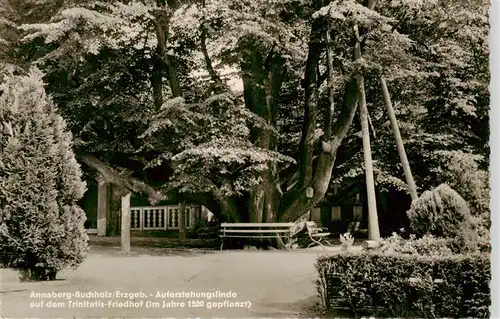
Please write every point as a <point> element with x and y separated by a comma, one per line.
<point>264,283</point>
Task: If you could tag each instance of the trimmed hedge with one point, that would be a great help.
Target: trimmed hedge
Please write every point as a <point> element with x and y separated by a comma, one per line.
<point>399,285</point>
<point>427,245</point>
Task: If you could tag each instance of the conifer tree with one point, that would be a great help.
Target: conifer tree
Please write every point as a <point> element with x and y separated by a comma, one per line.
<point>41,226</point>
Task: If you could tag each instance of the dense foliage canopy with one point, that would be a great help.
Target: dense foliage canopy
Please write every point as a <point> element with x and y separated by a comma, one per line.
<point>232,99</point>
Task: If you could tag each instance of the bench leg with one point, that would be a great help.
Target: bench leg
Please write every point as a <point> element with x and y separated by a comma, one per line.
<point>221,244</point>
<point>314,242</point>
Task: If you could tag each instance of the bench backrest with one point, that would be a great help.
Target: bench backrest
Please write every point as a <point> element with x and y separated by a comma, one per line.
<point>256,225</point>
<point>251,229</point>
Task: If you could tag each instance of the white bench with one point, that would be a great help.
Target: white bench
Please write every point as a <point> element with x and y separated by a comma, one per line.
<point>317,234</point>
<point>255,230</point>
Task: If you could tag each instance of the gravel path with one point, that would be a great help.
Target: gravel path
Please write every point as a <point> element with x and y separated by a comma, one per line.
<point>259,284</point>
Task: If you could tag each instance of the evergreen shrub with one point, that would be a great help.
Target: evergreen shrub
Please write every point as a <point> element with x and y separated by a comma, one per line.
<point>41,227</point>
<point>442,212</point>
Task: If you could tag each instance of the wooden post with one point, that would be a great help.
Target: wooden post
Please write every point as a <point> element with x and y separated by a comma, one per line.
<point>399,141</point>
<point>182,221</point>
<point>102,206</point>
<point>373,228</point>
<point>125,227</point>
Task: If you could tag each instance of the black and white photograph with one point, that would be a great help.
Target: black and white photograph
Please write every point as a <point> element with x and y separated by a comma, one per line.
<point>247,158</point>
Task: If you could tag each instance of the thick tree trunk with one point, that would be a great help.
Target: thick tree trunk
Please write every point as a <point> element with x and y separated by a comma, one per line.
<point>273,194</point>
<point>255,100</point>
<point>306,147</point>
<point>299,203</point>
<point>262,80</point>
<point>317,177</point>
<point>229,210</point>
<point>399,141</point>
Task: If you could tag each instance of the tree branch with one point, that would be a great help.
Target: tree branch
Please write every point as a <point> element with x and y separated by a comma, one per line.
<point>172,77</point>
<point>211,71</point>
<point>161,60</point>
<point>371,126</point>
<point>298,202</point>
<point>344,120</point>
<point>110,175</point>
<point>331,92</point>
<point>310,111</point>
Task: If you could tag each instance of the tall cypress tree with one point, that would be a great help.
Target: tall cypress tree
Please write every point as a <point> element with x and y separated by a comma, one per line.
<point>41,226</point>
